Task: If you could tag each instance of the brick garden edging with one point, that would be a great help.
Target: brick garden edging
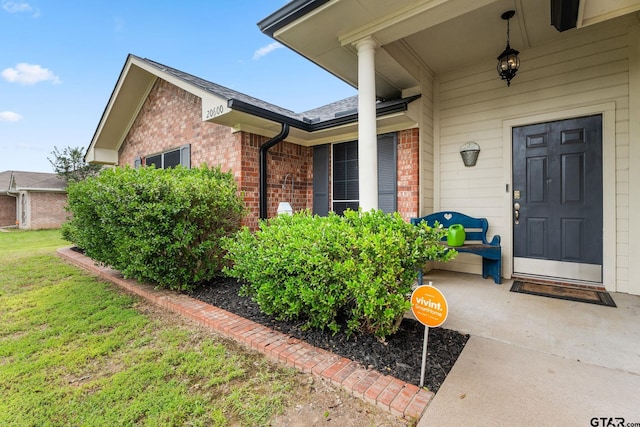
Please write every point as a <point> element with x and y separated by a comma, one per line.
<point>389,393</point>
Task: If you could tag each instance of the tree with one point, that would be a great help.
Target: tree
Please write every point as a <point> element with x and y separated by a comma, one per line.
<point>69,164</point>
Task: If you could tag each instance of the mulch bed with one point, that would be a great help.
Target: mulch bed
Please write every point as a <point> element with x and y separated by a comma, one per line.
<point>399,356</point>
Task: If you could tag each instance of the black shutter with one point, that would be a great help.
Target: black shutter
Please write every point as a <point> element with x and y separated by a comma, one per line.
<point>321,180</point>
<point>387,173</point>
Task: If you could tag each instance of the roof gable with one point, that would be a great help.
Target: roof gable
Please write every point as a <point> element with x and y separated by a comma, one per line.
<point>224,106</point>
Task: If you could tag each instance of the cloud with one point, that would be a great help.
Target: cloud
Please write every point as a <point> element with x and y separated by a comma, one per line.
<point>19,7</point>
<point>28,74</point>
<point>9,116</point>
<point>263,51</point>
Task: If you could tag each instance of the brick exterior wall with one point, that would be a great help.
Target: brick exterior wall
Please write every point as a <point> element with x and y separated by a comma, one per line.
<point>171,117</point>
<point>47,210</point>
<point>7,211</point>
<point>409,173</point>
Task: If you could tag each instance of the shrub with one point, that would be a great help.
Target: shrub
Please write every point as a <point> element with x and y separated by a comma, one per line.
<point>354,270</point>
<point>159,225</point>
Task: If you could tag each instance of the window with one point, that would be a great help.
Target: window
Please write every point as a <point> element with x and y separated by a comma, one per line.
<point>169,159</point>
<point>346,192</point>
<point>346,185</point>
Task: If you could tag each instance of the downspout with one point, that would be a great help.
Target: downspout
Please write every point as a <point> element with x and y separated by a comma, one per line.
<point>263,167</point>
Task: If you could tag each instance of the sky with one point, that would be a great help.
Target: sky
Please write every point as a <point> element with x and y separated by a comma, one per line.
<point>60,61</point>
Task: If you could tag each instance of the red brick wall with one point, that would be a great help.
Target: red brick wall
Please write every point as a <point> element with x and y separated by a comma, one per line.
<point>409,173</point>
<point>283,159</point>
<point>7,211</point>
<point>171,117</point>
<point>47,210</point>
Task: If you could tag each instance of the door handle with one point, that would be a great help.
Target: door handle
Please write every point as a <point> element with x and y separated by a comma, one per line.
<point>516,212</point>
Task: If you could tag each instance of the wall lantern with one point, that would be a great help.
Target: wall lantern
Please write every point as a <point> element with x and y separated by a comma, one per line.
<point>285,208</point>
<point>508,61</point>
<point>469,153</point>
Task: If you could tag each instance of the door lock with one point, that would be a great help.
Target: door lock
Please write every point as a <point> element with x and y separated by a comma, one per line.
<point>516,212</point>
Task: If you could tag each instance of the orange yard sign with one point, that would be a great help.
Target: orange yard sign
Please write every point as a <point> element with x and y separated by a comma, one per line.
<point>429,306</point>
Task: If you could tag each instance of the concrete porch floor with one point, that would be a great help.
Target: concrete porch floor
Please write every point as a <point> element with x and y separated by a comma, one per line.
<point>536,361</point>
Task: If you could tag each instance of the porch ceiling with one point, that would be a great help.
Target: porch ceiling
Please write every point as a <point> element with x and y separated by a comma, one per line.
<point>441,35</point>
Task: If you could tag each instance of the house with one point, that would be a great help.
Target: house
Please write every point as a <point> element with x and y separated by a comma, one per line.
<point>559,150</point>
<point>559,147</point>
<point>32,200</point>
<point>162,116</point>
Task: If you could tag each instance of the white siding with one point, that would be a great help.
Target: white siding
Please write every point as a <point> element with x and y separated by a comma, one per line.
<point>584,68</point>
<point>427,171</point>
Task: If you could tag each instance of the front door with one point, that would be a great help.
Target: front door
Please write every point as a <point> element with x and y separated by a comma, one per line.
<point>557,199</point>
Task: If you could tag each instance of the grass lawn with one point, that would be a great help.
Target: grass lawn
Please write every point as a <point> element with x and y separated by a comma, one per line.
<point>76,351</point>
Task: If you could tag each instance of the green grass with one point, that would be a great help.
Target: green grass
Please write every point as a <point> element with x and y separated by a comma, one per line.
<point>76,351</point>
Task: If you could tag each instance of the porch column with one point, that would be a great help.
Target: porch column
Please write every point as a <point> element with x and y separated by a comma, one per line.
<point>367,135</point>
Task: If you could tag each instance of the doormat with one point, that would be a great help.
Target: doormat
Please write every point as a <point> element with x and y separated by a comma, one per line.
<point>563,292</point>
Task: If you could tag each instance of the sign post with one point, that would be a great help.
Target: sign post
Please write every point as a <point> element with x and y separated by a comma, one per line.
<point>430,308</point>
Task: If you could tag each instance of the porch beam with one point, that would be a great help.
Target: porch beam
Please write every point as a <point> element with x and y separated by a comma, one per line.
<point>367,135</point>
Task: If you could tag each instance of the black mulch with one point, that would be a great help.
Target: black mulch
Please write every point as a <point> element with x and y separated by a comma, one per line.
<point>400,356</point>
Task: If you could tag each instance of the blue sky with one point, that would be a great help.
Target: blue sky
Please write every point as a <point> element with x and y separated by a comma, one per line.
<point>60,60</point>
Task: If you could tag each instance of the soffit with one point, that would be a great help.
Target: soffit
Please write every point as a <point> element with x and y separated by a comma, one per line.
<point>439,35</point>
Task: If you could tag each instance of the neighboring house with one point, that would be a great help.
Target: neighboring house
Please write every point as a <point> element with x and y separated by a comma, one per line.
<point>559,148</point>
<point>32,200</point>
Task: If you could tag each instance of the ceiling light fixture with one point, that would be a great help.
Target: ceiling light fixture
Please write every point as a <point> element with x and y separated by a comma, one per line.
<point>508,61</point>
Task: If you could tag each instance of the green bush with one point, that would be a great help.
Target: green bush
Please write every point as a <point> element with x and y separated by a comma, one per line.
<point>159,225</point>
<point>354,270</point>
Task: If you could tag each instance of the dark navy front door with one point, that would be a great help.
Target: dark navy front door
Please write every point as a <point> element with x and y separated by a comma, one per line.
<point>557,199</point>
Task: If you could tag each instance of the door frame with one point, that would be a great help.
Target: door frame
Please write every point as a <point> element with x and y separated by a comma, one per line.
<point>608,111</point>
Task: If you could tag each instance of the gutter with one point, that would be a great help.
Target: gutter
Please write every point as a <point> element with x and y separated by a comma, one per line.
<point>263,167</point>
<point>382,108</point>
<point>288,14</point>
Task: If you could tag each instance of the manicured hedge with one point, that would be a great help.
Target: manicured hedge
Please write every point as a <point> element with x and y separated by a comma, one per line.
<point>352,271</point>
<point>158,225</point>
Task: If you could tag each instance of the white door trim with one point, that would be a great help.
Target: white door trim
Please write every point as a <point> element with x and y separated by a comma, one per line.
<point>608,111</point>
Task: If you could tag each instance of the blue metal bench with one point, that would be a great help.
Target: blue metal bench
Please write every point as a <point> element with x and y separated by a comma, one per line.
<point>475,241</point>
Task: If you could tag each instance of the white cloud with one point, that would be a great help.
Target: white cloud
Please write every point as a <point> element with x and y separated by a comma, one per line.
<point>28,74</point>
<point>266,50</point>
<point>15,7</point>
<point>9,116</point>
<point>19,7</point>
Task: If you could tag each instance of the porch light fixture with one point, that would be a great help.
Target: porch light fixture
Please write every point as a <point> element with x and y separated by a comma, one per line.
<point>469,153</point>
<point>508,61</point>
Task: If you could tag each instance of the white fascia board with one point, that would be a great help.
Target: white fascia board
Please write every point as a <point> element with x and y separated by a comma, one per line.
<point>42,190</point>
<point>213,106</point>
<point>104,156</point>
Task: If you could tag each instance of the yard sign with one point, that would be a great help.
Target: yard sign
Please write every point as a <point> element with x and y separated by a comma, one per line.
<point>431,309</point>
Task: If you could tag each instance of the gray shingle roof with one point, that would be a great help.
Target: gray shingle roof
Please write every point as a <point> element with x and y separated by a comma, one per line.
<point>221,91</point>
<point>334,114</point>
<point>30,181</point>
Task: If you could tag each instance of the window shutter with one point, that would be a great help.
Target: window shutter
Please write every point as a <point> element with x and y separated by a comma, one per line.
<point>185,156</point>
<point>321,180</point>
<point>387,173</point>
<point>137,163</point>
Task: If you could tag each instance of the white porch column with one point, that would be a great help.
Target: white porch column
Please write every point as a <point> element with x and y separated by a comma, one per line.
<point>367,135</point>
